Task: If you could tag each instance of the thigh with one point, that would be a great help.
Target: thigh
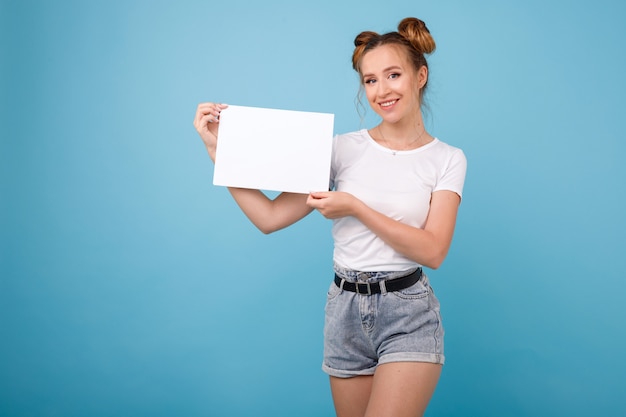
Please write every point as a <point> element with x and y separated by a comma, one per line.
<point>402,389</point>
<point>351,395</point>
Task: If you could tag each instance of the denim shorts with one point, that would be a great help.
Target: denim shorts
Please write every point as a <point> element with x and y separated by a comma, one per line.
<point>364,331</point>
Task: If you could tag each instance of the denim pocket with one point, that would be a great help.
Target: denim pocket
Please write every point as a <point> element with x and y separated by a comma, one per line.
<point>333,291</point>
<point>416,291</point>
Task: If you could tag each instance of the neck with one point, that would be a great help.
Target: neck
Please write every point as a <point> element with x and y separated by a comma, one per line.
<point>397,137</point>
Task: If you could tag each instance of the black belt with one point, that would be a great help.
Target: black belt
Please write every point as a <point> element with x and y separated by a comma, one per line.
<point>366,288</point>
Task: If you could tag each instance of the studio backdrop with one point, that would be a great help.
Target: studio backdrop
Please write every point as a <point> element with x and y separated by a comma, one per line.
<point>131,286</point>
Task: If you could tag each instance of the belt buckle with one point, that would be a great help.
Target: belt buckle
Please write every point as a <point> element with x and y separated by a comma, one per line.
<point>369,288</point>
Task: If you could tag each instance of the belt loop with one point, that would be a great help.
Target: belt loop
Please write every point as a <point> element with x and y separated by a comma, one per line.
<point>343,280</point>
<point>383,287</point>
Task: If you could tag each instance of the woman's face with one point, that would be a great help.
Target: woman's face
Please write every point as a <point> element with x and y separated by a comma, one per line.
<point>391,83</point>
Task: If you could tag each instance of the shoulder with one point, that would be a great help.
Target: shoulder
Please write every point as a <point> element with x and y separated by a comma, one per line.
<point>358,136</point>
<point>447,152</point>
<point>445,148</point>
<point>350,142</point>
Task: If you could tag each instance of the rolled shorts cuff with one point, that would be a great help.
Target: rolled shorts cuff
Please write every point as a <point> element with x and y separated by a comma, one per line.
<point>339,373</point>
<point>436,358</point>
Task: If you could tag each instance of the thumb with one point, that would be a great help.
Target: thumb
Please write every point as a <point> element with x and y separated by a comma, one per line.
<point>318,194</point>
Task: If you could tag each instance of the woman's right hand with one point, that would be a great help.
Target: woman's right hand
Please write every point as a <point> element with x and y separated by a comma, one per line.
<point>206,123</point>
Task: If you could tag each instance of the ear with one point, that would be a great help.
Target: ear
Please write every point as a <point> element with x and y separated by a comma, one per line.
<point>422,76</point>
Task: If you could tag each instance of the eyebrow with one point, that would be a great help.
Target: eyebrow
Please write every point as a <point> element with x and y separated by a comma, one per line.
<point>393,67</point>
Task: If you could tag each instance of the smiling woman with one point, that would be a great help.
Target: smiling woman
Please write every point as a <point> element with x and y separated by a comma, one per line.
<point>130,286</point>
<point>413,37</point>
<point>394,198</point>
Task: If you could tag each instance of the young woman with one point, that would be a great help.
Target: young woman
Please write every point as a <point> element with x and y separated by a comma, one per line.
<point>395,194</point>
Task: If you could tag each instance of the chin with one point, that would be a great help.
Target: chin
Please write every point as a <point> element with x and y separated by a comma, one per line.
<point>390,118</point>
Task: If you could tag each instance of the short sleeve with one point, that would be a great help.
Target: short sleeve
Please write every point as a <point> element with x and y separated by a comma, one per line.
<point>453,176</point>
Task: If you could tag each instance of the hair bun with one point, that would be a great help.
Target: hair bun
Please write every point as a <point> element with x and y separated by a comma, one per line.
<point>360,43</point>
<point>364,38</point>
<point>416,32</point>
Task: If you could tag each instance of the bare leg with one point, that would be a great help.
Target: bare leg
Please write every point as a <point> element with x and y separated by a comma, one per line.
<point>402,389</point>
<point>398,389</point>
<point>351,395</point>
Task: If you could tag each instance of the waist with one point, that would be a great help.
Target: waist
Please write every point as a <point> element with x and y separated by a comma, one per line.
<point>351,275</point>
<point>376,284</point>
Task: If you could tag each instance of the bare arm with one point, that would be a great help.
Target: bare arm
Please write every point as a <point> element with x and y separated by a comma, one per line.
<point>266,214</point>
<point>428,246</point>
<point>270,215</point>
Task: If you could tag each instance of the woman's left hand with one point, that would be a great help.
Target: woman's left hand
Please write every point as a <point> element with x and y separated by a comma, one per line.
<point>333,204</point>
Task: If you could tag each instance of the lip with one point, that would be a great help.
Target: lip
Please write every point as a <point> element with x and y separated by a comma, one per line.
<point>388,104</point>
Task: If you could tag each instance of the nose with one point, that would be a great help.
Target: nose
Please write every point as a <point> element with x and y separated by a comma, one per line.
<point>383,88</point>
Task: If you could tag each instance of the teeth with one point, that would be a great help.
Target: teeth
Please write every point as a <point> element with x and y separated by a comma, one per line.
<point>388,103</point>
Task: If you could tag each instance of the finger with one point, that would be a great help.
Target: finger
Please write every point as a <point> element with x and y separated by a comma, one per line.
<point>214,117</point>
<point>206,108</point>
<point>211,107</point>
<point>318,194</point>
<point>218,111</point>
<point>207,113</point>
<point>206,120</point>
<point>201,121</point>
<point>204,117</point>
<point>215,112</point>
<point>310,201</point>
<point>202,110</point>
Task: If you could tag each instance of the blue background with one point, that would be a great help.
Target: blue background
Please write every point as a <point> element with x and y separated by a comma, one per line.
<point>130,285</point>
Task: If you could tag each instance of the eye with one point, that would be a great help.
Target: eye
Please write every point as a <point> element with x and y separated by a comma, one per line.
<point>394,75</point>
<point>369,81</point>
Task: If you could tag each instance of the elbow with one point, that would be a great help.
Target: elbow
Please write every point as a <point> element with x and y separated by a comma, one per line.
<point>433,264</point>
<point>266,230</point>
<point>264,225</point>
<point>435,260</point>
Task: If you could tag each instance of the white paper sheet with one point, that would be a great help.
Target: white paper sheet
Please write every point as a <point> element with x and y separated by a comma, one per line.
<point>274,150</point>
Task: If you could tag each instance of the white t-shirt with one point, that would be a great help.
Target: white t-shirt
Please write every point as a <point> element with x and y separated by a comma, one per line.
<point>398,184</point>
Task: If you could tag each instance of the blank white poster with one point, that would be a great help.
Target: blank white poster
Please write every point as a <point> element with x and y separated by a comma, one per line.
<point>274,150</point>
